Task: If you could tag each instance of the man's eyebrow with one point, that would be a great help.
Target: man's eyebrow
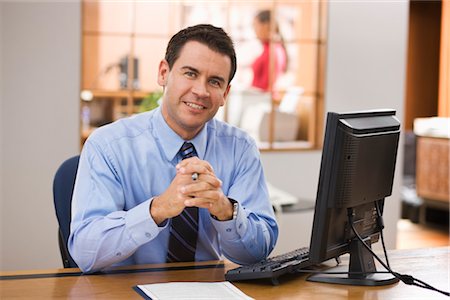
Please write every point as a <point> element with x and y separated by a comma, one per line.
<point>219,78</point>
<point>190,68</point>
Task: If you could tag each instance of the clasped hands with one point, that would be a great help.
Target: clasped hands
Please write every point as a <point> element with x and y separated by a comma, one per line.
<point>184,191</point>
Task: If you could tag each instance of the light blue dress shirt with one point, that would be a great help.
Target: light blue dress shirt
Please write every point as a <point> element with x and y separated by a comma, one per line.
<point>126,163</point>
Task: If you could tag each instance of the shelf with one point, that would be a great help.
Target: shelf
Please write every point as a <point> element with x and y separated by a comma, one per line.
<point>136,94</point>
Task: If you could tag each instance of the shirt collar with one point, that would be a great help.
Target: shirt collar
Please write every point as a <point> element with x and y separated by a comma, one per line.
<point>171,142</point>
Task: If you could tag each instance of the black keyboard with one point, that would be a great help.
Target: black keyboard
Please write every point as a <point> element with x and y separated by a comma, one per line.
<point>272,267</point>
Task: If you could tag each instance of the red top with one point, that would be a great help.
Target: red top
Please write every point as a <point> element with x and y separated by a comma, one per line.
<point>261,66</point>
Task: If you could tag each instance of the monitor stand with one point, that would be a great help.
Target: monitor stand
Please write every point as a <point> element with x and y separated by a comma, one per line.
<point>362,263</point>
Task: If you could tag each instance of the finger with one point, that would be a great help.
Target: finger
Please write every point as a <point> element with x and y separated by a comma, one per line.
<point>191,169</point>
<point>194,164</point>
<point>199,202</point>
<point>188,161</point>
<point>197,177</point>
<point>211,196</point>
<point>209,179</point>
<point>202,184</point>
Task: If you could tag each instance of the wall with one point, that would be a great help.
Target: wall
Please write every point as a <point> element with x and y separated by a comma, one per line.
<point>1,138</point>
<point>40,61</point>
<point>40,70</point>
<point>366,59</point>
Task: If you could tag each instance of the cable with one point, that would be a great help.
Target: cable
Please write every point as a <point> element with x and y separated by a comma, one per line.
<point>407,279</point>
<point>380,224</point>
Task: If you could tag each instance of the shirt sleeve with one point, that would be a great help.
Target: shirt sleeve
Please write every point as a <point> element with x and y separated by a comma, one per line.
<point>102,231</point>
<point>252,235</point>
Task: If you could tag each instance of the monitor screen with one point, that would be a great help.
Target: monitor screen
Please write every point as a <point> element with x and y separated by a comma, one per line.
<point>356,175</point>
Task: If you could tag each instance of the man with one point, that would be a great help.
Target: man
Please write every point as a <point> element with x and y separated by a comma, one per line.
<point>138,199</point>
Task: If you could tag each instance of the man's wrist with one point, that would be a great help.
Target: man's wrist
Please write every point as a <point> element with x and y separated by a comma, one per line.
<point>154,211</point>
<point>234,210</point>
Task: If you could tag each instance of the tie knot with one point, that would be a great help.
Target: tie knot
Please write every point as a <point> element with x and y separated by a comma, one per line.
<point>187,150</point>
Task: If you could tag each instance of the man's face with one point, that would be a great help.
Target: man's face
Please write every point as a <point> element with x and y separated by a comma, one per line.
<point>194,89</point>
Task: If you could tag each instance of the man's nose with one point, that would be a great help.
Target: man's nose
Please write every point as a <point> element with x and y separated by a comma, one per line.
<point>200,89</point>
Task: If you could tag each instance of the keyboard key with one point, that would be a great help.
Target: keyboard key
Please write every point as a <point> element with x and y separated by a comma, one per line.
<point>272,267</point>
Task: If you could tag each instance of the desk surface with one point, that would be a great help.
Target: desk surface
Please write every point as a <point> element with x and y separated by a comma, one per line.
<point>430,265</point>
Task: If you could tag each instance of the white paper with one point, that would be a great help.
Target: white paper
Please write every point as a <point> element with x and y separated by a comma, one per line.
<point>193,290</point>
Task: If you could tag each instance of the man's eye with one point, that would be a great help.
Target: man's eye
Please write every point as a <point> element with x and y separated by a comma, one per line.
<point>190,74</point>
<point>215,82</point>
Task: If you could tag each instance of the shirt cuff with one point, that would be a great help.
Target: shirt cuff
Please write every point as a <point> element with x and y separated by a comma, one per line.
<point>140,225</point>
<point>233,229</point>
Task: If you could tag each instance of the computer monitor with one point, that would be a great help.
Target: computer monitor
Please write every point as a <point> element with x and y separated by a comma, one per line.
<point>356,175</point>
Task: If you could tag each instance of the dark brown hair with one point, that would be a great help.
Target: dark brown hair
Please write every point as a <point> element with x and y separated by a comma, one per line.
<point>214,38</point>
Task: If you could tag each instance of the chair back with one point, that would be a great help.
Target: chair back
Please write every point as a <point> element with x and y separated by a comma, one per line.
<point>63,184</point>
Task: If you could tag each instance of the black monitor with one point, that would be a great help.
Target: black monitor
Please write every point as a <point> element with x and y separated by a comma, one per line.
<point>356,175</point>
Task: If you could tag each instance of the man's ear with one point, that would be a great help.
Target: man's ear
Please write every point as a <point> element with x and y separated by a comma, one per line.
<point>163,72</point>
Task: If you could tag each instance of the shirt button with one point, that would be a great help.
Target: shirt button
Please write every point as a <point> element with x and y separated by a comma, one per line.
<point>148,234</point>
<point>240,226</point>
<point>228,230</point>
<point>118,254</point>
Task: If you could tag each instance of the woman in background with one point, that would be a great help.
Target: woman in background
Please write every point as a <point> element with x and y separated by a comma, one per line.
<point>261,66</point>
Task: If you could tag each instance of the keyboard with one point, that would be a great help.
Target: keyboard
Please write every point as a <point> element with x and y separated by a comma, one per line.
<point>272,267</point>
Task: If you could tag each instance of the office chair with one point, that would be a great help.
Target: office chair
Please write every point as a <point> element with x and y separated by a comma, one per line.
<point>63,184</point>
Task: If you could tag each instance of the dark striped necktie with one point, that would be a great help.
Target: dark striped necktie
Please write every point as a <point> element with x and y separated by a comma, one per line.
<point>184,227</point>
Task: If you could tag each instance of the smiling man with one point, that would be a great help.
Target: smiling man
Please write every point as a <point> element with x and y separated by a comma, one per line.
<point>174,184</point>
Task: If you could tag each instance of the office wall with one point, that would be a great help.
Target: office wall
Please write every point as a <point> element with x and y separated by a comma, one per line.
<point>40,60</point>
<point>1,137</point>
<point>366,59</point>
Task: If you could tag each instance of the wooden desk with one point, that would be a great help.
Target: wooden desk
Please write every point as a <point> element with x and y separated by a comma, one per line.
<point>430,265</point>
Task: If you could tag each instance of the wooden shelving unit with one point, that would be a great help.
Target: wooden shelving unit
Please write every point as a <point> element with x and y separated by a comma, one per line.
<point>123,43</point>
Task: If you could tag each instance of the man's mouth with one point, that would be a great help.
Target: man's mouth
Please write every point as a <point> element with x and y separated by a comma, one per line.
<point>193,105</point>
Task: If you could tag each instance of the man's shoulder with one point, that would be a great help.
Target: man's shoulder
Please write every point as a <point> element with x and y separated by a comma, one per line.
<point>223,130</point>
<point>128,127</point>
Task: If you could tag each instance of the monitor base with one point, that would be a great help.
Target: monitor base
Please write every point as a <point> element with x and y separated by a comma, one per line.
<point>370,279</point>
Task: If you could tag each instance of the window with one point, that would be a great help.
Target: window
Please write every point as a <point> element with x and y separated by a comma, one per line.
<point>276,96</point>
